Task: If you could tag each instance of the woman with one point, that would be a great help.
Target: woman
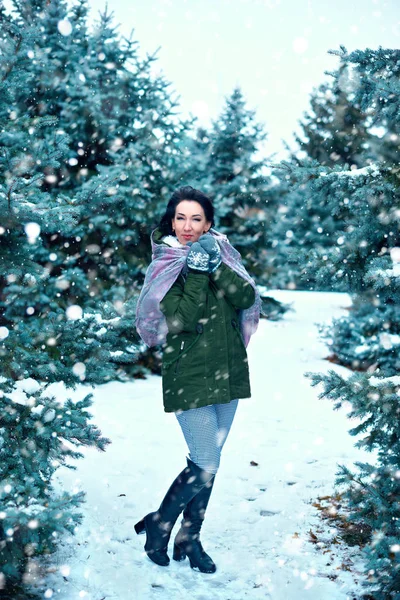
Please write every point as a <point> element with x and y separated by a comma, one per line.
<point>200,303</point>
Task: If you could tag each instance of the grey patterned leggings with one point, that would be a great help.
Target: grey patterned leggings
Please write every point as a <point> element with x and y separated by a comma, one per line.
<point>206,429</point>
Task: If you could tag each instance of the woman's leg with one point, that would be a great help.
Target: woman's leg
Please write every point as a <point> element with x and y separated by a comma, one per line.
<point>225,414</point>
<point>200,429</point>
<point>205,430</point>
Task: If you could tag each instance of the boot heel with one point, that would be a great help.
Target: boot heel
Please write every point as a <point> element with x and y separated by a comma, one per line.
<point>178,554</point>
<point>139,527</point>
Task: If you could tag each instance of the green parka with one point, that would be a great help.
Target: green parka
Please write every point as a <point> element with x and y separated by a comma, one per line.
<point>204,356</point>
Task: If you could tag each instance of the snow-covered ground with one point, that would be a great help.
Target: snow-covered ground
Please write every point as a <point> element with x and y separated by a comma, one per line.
<point>259,517</point>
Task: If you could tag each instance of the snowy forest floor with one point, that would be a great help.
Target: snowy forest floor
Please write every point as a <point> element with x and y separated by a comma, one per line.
<point>258,523</point>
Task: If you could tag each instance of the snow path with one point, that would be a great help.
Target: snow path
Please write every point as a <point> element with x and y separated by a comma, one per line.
<point>258,519</point>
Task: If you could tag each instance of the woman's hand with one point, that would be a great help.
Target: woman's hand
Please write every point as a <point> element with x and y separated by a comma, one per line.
<point>211,246</point>
<point>198,258</point>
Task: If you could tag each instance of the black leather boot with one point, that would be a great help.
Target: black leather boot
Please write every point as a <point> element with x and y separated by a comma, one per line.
<point>187,540</point>
<point>158,525</point>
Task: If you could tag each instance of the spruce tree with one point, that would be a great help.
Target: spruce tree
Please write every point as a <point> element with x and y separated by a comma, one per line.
<point>34,426</point>
<point>197,154</point>
<point>124,147</point>
<point>89,146</point>
<point>335,132</point>
<point>368,259</point>
<point>237,181</point>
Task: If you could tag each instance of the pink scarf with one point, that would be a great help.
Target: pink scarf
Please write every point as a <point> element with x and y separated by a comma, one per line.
<point>167,262</point>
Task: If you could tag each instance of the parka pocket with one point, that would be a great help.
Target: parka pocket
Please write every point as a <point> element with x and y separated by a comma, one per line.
<point>183,352</point>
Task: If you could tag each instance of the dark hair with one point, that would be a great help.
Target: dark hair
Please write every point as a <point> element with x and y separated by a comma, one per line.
<point>185,193</point>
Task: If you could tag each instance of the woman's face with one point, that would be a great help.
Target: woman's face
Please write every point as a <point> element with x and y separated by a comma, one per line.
<point>189,222</point>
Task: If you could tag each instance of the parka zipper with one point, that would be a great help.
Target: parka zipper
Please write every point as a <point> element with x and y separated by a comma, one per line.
<point>179,359</point>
